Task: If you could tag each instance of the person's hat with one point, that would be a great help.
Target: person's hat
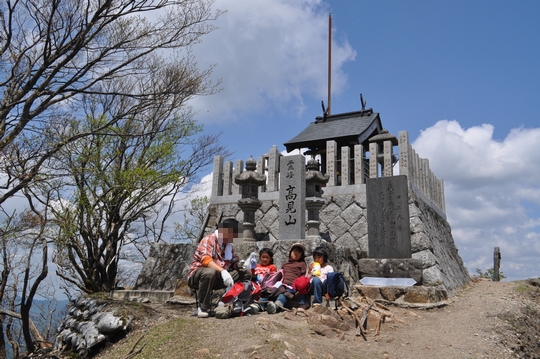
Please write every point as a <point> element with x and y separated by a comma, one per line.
<point>300,245</point>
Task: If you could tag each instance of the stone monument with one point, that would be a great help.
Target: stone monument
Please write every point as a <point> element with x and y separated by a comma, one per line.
<point>292,198</point>
<point>388,217</point>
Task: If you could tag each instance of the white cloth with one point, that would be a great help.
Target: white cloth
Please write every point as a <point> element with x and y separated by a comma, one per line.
<point>228,252</point>
<point>324,272</point>
<point>228,247</point>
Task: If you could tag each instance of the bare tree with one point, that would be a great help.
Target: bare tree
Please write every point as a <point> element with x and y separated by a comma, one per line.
<point>53,53</point>
<point>23,272</point>
<point>195,212</point>
<point>116,189</point>
<point>81,73</point>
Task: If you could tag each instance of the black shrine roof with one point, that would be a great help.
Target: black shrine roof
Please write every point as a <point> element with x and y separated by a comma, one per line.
<point>344,128</point>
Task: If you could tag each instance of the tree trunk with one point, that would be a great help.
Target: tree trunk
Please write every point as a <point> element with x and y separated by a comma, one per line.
<point>26,302</point>
<point>2,339</point>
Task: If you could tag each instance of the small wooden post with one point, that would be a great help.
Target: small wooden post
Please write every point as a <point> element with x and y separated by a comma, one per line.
<point>496,263</point>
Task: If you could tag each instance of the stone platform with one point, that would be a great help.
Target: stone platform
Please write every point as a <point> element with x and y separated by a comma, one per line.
<point>412,294</point>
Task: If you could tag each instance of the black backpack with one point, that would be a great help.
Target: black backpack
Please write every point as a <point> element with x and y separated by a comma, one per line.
<point>336,286</point>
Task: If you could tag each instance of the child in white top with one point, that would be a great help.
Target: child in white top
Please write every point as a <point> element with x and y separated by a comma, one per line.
<point>318,280</point>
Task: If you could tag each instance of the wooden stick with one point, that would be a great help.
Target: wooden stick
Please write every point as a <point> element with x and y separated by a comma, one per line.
<point>365,314</point>
<point>378,331</point>
<point>133,353</point>
<point>359,328</point>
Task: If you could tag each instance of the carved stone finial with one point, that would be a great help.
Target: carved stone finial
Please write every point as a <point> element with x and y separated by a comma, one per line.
<point>251,164</point>
<point>313,175</point>
<point>312,165</point>
<point>384,135</point>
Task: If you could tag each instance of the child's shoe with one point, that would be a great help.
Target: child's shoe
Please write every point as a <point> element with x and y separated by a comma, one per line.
<point>279,305</point>
<point>271,307</point>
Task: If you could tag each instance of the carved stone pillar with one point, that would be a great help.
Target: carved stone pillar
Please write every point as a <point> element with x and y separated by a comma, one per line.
<point>249,182</point>
<point>314,201</point>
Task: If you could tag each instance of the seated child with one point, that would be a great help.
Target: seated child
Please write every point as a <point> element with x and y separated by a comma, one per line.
<point>318,279</point>
<point>294,268</point>
<point>265,265</point>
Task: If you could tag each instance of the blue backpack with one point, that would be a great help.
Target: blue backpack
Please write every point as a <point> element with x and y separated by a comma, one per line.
<point>336,286</point>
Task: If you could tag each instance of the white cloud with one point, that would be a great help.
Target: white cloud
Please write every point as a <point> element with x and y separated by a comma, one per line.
<point>270,55</point>
<point>203,188</point>
<point>492,192</point>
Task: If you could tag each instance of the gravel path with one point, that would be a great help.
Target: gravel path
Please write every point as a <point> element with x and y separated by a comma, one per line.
<point>478,322</point>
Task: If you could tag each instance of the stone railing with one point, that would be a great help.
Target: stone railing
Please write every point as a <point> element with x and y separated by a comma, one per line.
<point>418,173</point>
<point>352,172</point>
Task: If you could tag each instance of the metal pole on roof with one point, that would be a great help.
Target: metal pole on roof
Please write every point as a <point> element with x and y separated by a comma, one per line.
<point>329,64</point>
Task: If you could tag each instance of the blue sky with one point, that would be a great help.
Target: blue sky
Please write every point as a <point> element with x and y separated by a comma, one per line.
<point>462,77</point>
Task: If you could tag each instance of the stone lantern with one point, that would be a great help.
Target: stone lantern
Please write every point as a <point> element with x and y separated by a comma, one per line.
<point>249,182</point>
<point>381,151</point>
<point>314,201</point>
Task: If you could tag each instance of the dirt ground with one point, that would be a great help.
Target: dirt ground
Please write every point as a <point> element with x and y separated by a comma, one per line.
<point>483,319</point>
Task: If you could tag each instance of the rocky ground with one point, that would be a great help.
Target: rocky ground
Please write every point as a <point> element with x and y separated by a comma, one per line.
<point>483,320</point>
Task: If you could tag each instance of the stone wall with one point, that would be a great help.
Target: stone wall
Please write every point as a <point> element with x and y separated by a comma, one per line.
<point>165,264</point>
<point>432,242</point>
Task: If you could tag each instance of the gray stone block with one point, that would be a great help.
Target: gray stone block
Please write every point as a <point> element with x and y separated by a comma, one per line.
<point>338,227</point>
<point>361,200</point>
<point>432,276</point>
<point>352,214</point>
<point>346,241</point>
<point>426,257</point>
<point>108,323</point>
<point>269,219</point>
<point>363,244</point>
<point>359,230</point>
<point>266,206</point>
<point>416,295</point>
<point>343,201</point>
<point>437,294</point>
<point>420,242</point>
<point>163,260</point>
<point>329,212</point>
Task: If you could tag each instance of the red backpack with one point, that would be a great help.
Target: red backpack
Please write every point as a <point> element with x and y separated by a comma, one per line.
<point>240,296</point>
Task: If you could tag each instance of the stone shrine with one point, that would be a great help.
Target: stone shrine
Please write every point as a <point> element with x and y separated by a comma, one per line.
<point>372,222</point>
